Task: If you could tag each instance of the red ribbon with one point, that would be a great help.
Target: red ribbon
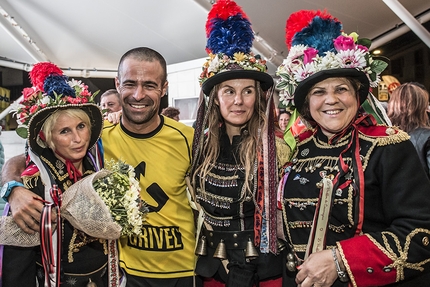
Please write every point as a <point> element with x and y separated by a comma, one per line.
<point>73,172</point>
<point>362,120</point>
<point>46,234</point>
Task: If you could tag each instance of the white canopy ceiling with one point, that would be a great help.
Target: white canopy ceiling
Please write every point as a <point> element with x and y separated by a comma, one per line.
<point>89,36</point>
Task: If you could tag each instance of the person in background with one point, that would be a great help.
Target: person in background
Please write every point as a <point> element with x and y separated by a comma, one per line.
<point>355,205</point>
<point>60,133</point>
<point>234,172</point>
<point>160,152</point>
<point>110,102</point>
<point>407,109</point>
<point>171,112</point>
<point>283,119</point>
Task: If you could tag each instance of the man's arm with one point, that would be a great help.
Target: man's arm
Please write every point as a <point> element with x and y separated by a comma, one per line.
<point>25,207</point>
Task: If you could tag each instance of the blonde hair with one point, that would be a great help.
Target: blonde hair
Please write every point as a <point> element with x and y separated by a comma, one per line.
<point>52,119</point>
<point>407,107</point>
<point>248,147</point>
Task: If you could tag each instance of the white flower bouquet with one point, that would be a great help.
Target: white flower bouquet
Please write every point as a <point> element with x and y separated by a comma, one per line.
<point>120,191</point>
<point>105,205</point>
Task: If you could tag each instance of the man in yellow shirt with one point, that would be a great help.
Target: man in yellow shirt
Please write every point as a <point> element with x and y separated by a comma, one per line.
<point>160,151</point>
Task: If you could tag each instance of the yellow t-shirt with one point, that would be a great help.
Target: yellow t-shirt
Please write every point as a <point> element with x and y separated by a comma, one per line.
<point>161,160</point>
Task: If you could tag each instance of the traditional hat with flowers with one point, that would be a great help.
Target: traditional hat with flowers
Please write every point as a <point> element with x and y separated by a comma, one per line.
<point>318,49</point>
<point>229,45</point>
<point>50,92</point>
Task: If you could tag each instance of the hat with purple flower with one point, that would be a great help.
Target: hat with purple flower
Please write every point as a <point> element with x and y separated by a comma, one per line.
<point>319,49</point>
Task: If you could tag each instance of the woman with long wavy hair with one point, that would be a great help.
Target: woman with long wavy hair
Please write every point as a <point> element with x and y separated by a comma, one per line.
<point>407,109</point>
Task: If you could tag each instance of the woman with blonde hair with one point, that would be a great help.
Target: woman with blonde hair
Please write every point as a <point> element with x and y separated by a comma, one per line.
<point>62,123</point>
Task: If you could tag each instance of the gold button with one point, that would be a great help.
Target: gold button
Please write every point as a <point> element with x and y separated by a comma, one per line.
<point>211,234</point>
<point>235,244</point>
<point>425,241</point>
<point>235,235</point>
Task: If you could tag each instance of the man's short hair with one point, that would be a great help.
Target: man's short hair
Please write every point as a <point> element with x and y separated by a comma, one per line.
<point>110,92</point>
<point>144,54</point>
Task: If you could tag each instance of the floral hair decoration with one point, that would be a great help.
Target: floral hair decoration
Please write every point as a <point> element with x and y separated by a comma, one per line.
<point>51,90</point>
<point>229,45</point>
<point>316,43</point>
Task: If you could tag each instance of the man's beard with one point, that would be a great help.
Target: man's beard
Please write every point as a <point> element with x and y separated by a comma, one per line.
<point>142,118</point>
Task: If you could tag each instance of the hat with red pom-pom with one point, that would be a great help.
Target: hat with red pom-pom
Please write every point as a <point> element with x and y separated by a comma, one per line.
<point>319,49</point>
<point>52,91</point>
<point>229,43</point>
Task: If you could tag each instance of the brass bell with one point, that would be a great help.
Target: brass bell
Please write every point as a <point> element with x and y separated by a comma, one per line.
<point>202,247</point>
<point>91,284</point>
<point>220,251</point>
<point>291,262</point>
<point>291,266</point>
<point>281,245</point>
<point>250,251</point>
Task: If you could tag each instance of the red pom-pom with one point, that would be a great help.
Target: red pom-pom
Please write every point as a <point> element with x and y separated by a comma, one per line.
<point>301,19</point>
<point>42,70</point>
<point>223,9</point>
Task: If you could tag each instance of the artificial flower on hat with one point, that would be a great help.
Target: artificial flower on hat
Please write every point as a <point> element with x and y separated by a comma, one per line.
<point>229,42</point>
<point>316,42</point>
<point>51,91</point>
<point>50,87</point>
<point>318,49</point>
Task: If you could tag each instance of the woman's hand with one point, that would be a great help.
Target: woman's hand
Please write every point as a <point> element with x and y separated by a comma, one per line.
<point>114,117</point>
<point>318,270</point>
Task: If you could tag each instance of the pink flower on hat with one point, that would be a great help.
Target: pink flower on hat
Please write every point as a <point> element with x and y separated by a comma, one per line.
<point>33,109</point>
<point>344,43</point>
<point>29,93</point>
<point>309,54</point>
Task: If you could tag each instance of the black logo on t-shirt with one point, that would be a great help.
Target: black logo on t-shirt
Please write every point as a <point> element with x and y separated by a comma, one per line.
<point>166,238</point>
<point>154,190</point>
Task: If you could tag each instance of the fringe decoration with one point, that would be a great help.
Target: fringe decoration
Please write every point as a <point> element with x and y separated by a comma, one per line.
<point>398,137</point>
<point>30,181</point>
